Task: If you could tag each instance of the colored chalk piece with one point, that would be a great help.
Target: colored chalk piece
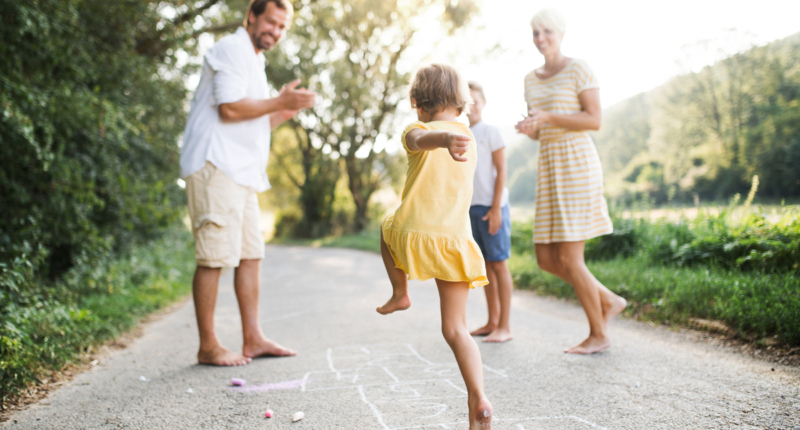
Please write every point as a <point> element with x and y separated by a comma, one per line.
<point>238,382</point>
<point>298,416</point>
<point>268,413</point>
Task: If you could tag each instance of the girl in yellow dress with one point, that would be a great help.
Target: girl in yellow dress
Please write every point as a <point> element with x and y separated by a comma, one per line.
<point>430,236</point>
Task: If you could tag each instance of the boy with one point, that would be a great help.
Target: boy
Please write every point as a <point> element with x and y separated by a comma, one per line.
<point>491,221</point>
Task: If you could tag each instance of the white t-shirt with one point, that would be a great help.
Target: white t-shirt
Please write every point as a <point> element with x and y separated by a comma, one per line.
<point>232,71</point>
<point>488,140</point>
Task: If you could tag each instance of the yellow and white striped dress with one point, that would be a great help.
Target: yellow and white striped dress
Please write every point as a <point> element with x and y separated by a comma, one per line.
<point>570,206</point>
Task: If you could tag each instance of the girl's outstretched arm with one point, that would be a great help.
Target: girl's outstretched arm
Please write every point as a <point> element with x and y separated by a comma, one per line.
<point>428,140</point>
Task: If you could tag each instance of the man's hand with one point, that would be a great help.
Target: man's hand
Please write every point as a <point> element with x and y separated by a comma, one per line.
<point>457,145</point>
<point>495,218</point>
<point>294,99</point>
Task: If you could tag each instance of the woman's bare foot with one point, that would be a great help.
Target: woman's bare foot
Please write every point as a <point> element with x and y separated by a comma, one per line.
<point>480,415</point>
<point>499,335</point>
<point>612,306</point>
<point>395,304</point>
<point>591,345</point>
<point>485,330</point>
<point>221,356</point>
<point>266,348</point>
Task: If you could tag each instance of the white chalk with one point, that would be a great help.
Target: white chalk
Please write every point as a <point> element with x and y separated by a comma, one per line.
<point>298,416</point>
<point>143,379</point>
<point>190,391</point>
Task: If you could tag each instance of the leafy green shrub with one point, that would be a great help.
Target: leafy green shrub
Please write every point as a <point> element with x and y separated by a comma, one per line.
<point>93,302</point>
<point>622,242</point>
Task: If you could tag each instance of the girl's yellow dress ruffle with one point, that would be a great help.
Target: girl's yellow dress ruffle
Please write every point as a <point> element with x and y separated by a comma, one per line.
<point>429,255</point>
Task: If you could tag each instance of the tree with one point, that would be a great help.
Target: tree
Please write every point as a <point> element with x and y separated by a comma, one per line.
<point>355,55</point>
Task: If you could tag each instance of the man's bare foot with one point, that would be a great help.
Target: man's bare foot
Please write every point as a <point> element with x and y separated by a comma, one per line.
<point>499,335</point>
<point>221,356</point>
<point>613,306</point>
<point>266,348</point>
<point>483,331</point>
<point>480,415</point>
<point>590,346</point>
<point>395,304</point>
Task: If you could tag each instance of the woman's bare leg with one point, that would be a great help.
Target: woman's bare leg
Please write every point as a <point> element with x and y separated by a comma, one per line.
<point>399,300</point>
<point>585,286</point>
<point>492,302</point>
<point>547,256</point>
<point>453,303</point>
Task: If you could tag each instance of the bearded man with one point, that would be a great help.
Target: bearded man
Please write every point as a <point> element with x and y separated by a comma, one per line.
<point>224,163</point>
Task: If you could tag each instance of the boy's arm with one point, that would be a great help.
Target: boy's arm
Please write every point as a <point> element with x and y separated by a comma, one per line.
<point>427,140</point>
<point>495,214</point>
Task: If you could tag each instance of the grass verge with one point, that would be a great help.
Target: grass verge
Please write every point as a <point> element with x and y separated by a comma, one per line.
<point>94,303</point>
<point>756,305</point>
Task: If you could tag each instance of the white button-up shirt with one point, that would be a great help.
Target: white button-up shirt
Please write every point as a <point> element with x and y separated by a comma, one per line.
<point>232,71</point>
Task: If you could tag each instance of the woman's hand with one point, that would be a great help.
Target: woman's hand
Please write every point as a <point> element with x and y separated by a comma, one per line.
<point>529,126</point>
<point>539,116</point>
<point>457,145</point>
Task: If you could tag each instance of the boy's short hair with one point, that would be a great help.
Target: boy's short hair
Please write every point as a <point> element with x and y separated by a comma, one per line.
<point>474,86</point>
<point>257,7</point>
<point>437,87</point>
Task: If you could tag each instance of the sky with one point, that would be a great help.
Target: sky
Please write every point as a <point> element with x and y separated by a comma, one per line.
<point>633,46</point>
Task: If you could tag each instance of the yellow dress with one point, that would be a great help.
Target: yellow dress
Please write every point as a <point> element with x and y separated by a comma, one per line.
<point>429,235</point>
<point>570,206</point>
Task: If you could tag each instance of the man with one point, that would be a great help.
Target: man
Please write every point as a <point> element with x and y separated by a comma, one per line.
<point>491,220</point>
<point>224,162</point>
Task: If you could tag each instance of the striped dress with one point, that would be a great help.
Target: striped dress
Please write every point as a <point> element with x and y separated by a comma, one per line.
<point>570,206</point>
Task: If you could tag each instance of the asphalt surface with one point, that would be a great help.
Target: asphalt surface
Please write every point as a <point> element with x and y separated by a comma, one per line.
<point>360,370</point>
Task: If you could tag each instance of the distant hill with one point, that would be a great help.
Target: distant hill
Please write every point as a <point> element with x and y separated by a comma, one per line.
<point>706,134</point>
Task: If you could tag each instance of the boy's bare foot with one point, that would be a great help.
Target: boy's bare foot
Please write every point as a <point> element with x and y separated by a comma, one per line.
<point>499,335</point>
<point>613,306</point>
<point>591,345</point>
<point>266,348</point>
<point>483,331</point>
<point>221,356</point>
<point>395,304</point>
<point>480,415</point>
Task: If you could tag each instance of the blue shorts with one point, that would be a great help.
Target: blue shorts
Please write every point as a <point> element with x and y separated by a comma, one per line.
<point>497,247</point>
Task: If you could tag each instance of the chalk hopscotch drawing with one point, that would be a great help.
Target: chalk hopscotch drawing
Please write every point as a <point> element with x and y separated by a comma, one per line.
<point>405,390</point>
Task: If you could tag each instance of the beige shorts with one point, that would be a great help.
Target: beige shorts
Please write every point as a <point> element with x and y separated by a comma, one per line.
<point>225,219</point>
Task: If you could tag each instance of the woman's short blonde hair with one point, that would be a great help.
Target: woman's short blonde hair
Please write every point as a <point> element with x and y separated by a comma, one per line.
<point>549,18</point>
<point>437,87</point>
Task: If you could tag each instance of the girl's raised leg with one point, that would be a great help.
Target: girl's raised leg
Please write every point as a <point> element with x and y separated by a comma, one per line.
<point>399,300</point>
<point>453,303</point>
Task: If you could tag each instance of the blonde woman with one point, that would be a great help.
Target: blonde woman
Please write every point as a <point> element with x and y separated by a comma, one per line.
<point>563,99</point>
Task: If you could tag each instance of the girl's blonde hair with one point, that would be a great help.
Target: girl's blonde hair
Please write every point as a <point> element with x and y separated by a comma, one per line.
<point>437,87</point>
<point>549,18</point>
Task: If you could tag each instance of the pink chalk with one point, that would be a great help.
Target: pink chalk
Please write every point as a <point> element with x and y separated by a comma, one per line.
<point>268,413</point>
<point>238,382</point>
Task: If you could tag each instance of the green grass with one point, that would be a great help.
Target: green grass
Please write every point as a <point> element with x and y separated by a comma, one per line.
<point>757,305</point>
<point>92,304</point>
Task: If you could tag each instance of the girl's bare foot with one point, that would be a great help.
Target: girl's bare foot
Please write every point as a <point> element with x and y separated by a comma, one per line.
<point>221,356</point>
<point>480,415</point>
<point>612,306</point>
<point>499,335</point>
<point>396,303</point>
<point>266,348</point>
<point>485,330</point>
<point>591,345</point>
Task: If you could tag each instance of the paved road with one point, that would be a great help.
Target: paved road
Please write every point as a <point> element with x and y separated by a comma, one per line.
<point>360,370</point>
